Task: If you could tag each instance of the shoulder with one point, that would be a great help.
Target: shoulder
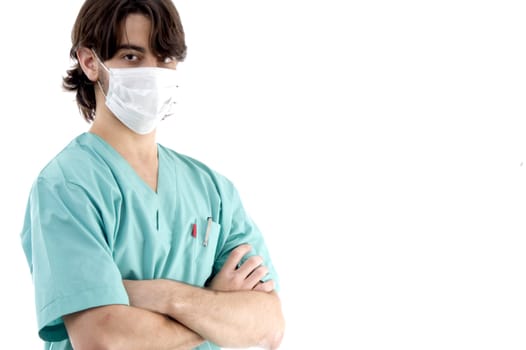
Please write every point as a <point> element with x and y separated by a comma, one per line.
<point>77,163</point>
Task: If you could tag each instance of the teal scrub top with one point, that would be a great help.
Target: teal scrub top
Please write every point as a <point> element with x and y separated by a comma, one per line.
<point>91,222</point>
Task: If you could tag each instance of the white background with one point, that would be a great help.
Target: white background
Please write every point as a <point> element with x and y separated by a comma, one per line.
<point>379,145</point>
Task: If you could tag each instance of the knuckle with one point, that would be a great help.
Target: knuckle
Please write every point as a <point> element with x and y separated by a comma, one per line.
<point>243,247</point>
<point>240,251</point>
<point>259,274</point>
<point>255,260</point>
<point>269,286</point>
<point>260,271</point>
<point>236,254</point>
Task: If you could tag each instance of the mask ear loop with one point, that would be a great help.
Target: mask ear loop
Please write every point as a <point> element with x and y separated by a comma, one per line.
<point>101,89</point>
<point>170,109</point>
<point>103,66</point>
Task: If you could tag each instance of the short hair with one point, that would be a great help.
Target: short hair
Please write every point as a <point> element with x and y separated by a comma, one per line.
<point>99,26</point>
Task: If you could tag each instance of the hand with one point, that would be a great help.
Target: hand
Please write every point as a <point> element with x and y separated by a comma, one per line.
<point>247,277</point>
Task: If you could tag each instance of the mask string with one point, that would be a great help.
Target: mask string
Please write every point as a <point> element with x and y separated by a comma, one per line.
<point>101,89</point>
<point>103,66</point>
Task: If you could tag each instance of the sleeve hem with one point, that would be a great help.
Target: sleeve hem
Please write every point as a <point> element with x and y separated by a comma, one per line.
<point>50,324</point>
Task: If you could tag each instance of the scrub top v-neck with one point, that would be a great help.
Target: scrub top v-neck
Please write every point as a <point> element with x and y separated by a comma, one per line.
<point>153,238</point>
<point>131,180</point>
<point>91,221</point>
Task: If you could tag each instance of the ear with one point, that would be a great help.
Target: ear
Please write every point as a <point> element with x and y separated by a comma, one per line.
<point>89,63</point>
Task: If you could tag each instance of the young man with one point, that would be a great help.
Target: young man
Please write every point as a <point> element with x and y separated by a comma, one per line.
<point>132,245</point>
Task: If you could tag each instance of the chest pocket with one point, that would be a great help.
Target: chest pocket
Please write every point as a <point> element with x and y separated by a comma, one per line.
<point>205,248</point>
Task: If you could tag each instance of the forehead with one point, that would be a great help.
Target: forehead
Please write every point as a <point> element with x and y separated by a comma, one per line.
<point>136,29</point>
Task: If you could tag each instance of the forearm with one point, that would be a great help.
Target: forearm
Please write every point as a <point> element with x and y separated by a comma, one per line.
<point>126,327</point>
<point>228,319</point>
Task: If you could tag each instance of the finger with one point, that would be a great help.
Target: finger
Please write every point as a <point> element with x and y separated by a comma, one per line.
<point>256,276</point>
<point>250,265</point>
<point>235,256</point>
<point>265,286</point>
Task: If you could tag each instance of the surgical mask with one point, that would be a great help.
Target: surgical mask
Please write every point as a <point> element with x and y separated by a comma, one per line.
<point>140,97</point>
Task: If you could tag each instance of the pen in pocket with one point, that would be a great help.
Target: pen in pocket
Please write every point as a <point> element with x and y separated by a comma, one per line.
<point>207,233</point>
<point>194,230</point>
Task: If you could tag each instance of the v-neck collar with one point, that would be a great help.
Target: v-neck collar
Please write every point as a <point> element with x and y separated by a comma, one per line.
<point>124,165</point>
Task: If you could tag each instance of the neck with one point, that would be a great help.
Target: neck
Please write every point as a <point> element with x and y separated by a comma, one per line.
<point>130,145</point>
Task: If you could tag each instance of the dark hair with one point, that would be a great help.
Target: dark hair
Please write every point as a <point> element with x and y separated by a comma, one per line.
<point>99,26</point>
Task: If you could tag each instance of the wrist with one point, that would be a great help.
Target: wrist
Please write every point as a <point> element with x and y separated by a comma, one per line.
<point>153,295</point>
<point>165,296</point>
<point>188,301</point>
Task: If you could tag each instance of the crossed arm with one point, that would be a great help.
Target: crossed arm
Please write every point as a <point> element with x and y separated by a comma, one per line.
<point>237,310</point>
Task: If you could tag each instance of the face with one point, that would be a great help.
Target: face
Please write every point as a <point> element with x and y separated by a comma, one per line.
<point>134,49</point>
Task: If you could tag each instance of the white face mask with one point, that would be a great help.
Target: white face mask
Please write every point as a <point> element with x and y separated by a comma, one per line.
<point>141,97</point>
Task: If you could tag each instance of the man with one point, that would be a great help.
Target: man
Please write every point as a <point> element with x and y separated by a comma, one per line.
<point>132,245</point>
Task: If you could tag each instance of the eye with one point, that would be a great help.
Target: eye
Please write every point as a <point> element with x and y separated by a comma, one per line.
<point>168,59</point>
<point>130,57</point>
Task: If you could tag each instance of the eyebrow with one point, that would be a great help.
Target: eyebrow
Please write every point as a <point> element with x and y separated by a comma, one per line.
<point>131,47</point>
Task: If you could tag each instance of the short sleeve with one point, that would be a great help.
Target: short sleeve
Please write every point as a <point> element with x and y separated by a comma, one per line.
<point>68,254</point>
<point>238,228</point>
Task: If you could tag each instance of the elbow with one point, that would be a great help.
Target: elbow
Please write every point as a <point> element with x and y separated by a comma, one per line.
<point>97,337</point>
<point>272,341</point>
<point>274,337</point>
<point>277,330</point>
<point>98,328</point>
<point>275,340</point>
<point>277,336</point>
<point>100,342</point>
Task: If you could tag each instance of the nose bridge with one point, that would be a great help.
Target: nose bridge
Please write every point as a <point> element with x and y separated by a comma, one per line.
<point>151,60</point>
